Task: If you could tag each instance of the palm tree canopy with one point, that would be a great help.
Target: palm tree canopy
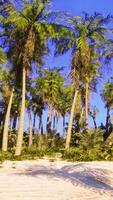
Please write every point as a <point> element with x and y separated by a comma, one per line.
<point>30,26</point>
<point>50,86</point>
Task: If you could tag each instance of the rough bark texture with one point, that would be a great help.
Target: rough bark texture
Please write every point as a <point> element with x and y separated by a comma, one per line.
<point>81,117</point>
<point>22,113</point>
<point>68,138</point>
<point>6,124</point>
<point>86,106</point>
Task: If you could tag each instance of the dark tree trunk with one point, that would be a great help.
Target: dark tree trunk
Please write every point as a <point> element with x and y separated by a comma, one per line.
<point>108,127</point>
<point>94,121</point>
<point>54,122</point>
<point>30,128</point>
<point>40,132</point>
<point>14,122</point>
<point>49,121</point>
<point>86,106</point>
<point>63,125</point>
<point>34,122</point>
<point>48,125</point>
<point>107,119</point>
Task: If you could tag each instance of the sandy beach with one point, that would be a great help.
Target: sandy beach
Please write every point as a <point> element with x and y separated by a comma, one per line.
<point>58,180</point>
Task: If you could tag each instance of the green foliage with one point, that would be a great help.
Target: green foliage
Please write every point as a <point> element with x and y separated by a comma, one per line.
<point>2,57</point>
<point>27,31</point>
<point>91,147</point>
<point>107,94</point>
<point>32,153</point>
<point>50,86</point>
<point>12,137</point>
<point>6,156</point>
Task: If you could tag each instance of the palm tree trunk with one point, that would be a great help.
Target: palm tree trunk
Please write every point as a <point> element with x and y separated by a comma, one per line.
<point>6,123</point>
<point>14,122</point>
<point>30,128</point>
<point>68,138</point>
<point>107,119</point>
<point>49,121</point>
<point>34,121</point>
<point>22,114</point>
<point>94,121</point>
<point>40,132</point>
<point>86,106</point>
<point>54,120</point>
<point>63,125</point>
<point>81,116</point>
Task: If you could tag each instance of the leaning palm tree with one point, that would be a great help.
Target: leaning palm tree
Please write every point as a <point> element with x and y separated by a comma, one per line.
<point>28,30</point>
<point>7,89</point>
<point>6,79</point>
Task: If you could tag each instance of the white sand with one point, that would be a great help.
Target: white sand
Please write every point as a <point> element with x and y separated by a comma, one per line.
<point>59,180</point>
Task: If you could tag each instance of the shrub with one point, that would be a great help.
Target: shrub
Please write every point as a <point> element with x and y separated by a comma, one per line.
<point>90,147</point>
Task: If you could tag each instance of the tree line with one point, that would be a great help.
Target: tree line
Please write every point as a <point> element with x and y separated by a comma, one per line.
<point>26,31</point>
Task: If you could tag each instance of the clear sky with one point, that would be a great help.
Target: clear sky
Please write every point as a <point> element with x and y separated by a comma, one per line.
<point>76,7</point>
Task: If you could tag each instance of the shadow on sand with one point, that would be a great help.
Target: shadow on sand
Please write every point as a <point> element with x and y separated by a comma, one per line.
<point>80,174</point>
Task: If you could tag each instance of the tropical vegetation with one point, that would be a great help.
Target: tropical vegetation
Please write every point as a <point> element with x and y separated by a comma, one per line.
<point>44,109</point>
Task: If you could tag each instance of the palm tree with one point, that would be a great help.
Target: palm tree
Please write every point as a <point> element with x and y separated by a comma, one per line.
<point>6,123</point>
<point>6,80</point>
<point>63,105</point>
<point>50,86</point>
<point>31,27</point>
<point>30,126</point>
<point>86,41</point>
<point>37,108</point>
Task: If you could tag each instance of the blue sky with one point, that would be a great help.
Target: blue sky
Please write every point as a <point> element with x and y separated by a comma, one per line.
<point>76,7</point>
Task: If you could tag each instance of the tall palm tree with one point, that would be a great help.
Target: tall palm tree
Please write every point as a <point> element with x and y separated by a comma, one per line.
<point>88,38</point>
<point>6,82</point>
<point>29,29</point>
